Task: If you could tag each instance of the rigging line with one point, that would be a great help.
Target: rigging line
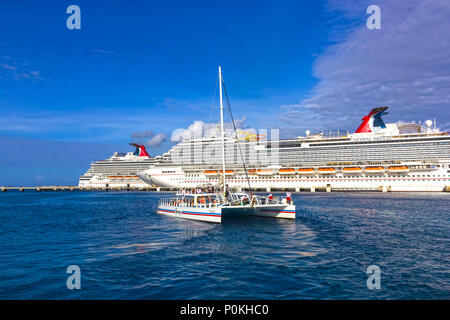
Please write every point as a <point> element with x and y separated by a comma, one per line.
<point>234,126</point>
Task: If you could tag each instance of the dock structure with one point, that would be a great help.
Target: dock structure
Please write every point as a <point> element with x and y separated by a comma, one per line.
<point>77,188</point>
<point>164,189</point>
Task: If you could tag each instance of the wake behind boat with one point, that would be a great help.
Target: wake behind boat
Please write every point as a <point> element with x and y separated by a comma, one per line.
<point>211,205</point>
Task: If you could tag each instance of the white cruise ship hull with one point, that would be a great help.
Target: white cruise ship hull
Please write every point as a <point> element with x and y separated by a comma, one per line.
<point>429,180</point>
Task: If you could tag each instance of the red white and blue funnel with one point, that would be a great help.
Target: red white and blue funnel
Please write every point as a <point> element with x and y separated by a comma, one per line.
<point>140,150</point>
<point>373,122</point>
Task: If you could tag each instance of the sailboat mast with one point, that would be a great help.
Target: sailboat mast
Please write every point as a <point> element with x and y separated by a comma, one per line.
<point>222,133</point>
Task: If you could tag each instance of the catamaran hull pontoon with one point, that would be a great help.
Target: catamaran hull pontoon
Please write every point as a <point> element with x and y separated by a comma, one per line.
<point>214,214</point>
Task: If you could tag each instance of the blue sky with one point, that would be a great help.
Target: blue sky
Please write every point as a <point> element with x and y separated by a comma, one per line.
<point>68,97</point>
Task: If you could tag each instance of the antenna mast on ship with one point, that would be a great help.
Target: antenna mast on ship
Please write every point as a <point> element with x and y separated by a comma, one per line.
<point>222,133</point>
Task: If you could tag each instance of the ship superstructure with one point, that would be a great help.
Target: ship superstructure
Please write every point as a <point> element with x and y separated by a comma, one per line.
<point>388,157</point>
<point>119,171</point>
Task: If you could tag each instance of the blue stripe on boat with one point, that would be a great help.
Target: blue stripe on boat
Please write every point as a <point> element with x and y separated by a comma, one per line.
<point>193,213</point>
<point>280,211</point>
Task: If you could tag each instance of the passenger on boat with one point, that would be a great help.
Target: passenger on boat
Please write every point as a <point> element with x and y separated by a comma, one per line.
<point>288,197</point>
<point>244,200</point>
<point>253,198</point>
<point>270,198</point>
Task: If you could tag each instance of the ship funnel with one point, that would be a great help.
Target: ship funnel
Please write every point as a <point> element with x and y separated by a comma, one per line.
<point>140,150</point>
<point>373,122</point>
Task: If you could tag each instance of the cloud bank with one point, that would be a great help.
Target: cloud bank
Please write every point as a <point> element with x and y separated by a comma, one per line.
<point>200,129</point>
<point>405,65</point>
<point>154,141</point>
<point>157,140</point>
<point>142,134</point>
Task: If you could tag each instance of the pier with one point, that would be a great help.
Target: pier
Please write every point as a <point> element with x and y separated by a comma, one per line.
<point>76,188</point>
<point>162,189</point>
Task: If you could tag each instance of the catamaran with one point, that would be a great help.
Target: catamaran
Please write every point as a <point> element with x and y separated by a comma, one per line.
<point>210,207</point>
<point>210,203</point>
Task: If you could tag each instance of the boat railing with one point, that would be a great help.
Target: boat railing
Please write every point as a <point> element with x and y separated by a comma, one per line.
<point>188,202</point>
<point>233,200</point>
<point>244,200</point>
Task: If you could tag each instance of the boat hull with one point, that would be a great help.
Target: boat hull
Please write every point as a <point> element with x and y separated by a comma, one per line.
<point>264,173</point>
<point>269,211</point>
<point>352,170</point>
<point>306,171</point>
<point>207,214</point>
<point>214,214</point>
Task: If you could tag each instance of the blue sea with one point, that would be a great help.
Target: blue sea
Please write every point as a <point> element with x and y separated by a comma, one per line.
<point>126,251</point>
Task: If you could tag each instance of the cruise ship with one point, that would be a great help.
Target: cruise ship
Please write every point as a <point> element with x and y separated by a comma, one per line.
<point>119,171</point>
<point>377,156</point>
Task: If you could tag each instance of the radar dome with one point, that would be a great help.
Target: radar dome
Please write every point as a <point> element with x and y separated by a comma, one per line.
<point>308,132</point>
<point>429,123</point>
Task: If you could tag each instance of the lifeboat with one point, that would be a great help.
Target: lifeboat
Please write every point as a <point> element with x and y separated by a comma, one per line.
<point>306,171</point>
<point>328,170</point>
<point>264,172</point>
<point>227,172</point>
<point>352,170</point>
<point>286,171</point>
<point>374,169</point>
<point>210,172</point>
<point>398,169</point>
<point>252,171</point>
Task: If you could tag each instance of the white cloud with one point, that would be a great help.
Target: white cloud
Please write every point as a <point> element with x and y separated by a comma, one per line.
<point>157,140</point>
<point>142,134</point>
<point>17,70</point>
<point>405,65</point>
<point>200,129</point>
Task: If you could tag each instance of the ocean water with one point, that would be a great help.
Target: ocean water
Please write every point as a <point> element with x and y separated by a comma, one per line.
<point>126,251</point>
